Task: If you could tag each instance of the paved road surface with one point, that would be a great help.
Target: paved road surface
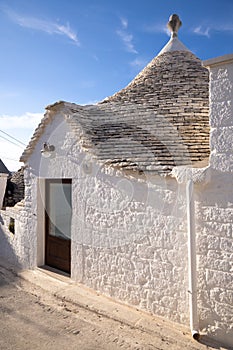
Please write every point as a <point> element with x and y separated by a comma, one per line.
<point>32,319</point>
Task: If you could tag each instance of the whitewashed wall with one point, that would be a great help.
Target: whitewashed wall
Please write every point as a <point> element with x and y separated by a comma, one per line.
<point>128,235</point>
<point>134,246</point>
<point>3,181</point>
<point>214,212</point>
<point>15,246</point>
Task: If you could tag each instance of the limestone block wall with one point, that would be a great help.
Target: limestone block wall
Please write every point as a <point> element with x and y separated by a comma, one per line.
<point>129,236</point>
<point>3,181</point>
<point>14,247</point>
<point>18,244</point>
<point>133,246</point>
<point>221,115</point>
<point>214,218</point>
<point>214,212</point>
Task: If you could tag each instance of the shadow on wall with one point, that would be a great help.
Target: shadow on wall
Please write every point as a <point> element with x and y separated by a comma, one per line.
<point>205,340</point>
<point>7,253</point>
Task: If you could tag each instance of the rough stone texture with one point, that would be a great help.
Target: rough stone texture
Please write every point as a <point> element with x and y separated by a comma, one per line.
<point>214,214</point>
<point>129,228</point>
<point>3,182</point>
<point>160,120</point>
<point>175,86</point>
<point>19,248</point>
<point>221,88</point>
<point>128,234</point>
<point>14,247</point>
<point>134,242</point>
<point>214,217</point>
<point>14,189</point>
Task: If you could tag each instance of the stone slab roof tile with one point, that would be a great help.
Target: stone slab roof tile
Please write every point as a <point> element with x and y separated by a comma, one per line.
<point>160,120</point>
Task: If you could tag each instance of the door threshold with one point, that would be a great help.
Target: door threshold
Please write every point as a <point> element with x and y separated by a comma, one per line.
<point>53,272</point>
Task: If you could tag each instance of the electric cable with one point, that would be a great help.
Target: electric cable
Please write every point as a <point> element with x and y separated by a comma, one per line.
<point>11,142</point>
<point>12,137</point>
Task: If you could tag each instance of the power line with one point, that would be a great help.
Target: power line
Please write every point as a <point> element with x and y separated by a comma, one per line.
<point>12,137</point>
<point>11,142</point>
<point>15,160</point>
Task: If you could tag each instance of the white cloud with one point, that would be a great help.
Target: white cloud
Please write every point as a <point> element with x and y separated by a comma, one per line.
<point>226,27</point>
<point>26,121</point>
<point>126,37</point>
<point>205,30</point>
<point>139,63</point>
<point>10,154</point>
<point>19,128</point>
<point>157,28</point>
<point>48,27</point>
<point>124,23</point>
<point>200,30</point>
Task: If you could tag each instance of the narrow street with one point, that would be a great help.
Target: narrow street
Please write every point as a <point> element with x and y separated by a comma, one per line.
<point>32,319</point>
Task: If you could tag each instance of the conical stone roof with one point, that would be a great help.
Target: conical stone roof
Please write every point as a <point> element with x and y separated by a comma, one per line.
<point>174,85</point>
<point>159,121</point>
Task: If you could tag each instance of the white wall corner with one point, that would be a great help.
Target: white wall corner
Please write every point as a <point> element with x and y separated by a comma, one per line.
<point>3,182</point>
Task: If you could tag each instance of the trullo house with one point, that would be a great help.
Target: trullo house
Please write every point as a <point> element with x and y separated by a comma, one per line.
<point>133,198</point>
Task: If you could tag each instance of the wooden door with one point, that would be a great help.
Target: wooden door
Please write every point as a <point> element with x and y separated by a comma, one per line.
<point>58,224</point>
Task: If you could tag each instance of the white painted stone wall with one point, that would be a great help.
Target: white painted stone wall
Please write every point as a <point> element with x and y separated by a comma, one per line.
<point>214,217</point>
<point>129,236</point>
<point>221,116</point>
<point>14,247</point>
<point>134,247</point>
<point>214,212</point>
<point>3,181</point>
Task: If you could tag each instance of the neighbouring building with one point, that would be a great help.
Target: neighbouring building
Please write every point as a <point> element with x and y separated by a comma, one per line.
<point>4,174</point>
<point>14,188</point>
<point>133,196</point>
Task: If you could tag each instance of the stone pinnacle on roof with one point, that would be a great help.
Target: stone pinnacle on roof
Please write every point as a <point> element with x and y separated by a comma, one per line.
<point>174,44</point>
<point>174,25</point>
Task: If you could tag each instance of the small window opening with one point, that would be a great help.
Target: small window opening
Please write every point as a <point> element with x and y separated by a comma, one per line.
<point>12,225</point>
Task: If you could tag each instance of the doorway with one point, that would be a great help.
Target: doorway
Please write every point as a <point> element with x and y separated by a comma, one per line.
<point>58,212</point>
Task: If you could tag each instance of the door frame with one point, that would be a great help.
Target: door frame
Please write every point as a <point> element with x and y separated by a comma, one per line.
<point>46,216</point>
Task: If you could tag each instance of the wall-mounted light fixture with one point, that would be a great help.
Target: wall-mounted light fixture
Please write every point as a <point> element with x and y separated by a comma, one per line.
<point>47,150</point>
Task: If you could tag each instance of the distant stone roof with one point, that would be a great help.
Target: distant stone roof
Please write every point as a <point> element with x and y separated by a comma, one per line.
<point>3,168</point>
<point>15,188</point>
<point>160,120</point>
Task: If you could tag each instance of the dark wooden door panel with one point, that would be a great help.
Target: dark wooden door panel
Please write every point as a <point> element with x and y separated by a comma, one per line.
<point>58,253</point>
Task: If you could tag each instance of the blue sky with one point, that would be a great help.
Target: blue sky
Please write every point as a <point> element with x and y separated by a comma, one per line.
<point>82,51</point>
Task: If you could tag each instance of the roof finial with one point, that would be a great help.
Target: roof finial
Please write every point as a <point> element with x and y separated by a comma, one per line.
<point>174,24</point>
